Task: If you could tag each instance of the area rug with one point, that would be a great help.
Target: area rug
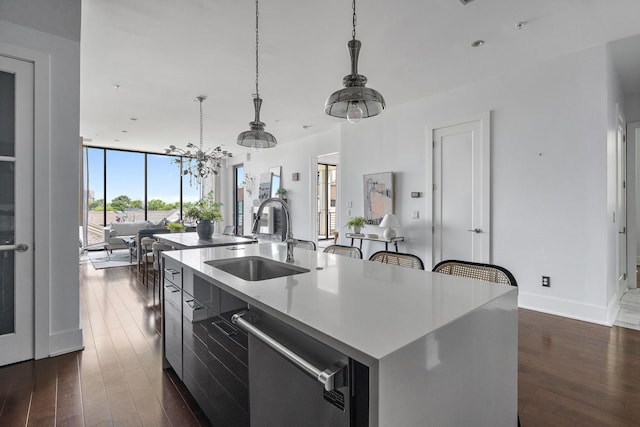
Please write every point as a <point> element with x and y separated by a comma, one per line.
<point>119,258</point>
<point>629,314</point>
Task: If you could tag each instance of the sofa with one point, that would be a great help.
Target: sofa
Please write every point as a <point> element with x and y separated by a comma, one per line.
<point>114,232</point>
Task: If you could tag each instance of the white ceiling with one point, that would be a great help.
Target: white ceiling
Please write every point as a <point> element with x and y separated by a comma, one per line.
<point>163,53</point>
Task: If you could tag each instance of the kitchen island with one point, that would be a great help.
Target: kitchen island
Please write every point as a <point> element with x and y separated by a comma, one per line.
<point>435,349</point>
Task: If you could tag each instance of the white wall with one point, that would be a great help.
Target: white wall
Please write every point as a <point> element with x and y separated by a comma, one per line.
<point>549,175</point>
<point>298,156</point>
<point>632,107</point>
<point>57,65</point>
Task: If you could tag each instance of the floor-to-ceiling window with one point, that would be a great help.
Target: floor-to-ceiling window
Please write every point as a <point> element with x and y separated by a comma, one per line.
<point>125,186</point>
<point>327,191</point>
<point>128,186</point>
<point>163,188</point>
<point>238,199</point>
<point>94,194</point>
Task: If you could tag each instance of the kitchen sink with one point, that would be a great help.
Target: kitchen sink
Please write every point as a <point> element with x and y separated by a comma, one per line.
<point>255,268</point>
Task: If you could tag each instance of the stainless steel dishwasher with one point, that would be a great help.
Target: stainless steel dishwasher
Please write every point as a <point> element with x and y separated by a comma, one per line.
<point>297,381</point>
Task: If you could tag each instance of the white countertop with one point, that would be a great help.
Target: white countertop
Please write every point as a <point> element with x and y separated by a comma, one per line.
<point>191,240</point>
<point>365,309</point>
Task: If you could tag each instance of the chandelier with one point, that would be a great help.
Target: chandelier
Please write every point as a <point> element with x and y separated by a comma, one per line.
<point>199,164</point>
<point>354,101</point>
<point>256,137</point>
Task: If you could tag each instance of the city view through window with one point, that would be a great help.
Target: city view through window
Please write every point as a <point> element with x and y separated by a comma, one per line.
<point>138,187</point>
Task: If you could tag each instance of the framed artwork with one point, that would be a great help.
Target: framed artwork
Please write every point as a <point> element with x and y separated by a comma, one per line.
<point>378,196</point>
<point>264,189</point>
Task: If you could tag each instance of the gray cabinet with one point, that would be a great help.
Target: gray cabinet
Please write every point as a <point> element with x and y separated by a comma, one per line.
<point>207,352</point>
<point>172,319</point>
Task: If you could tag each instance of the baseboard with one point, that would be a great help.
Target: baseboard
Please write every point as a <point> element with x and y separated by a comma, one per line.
<point>614,308</point>
<point>66,342</point>
<point>600,315</point>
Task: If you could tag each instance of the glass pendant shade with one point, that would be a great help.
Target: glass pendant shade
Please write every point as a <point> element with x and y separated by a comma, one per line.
<point>256,137</point>
<point>344,103</point>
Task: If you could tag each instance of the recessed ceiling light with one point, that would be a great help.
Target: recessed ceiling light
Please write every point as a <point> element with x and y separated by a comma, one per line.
<point>306,126</point>
<point>520,25</point>
<point>124,131</point>
<point>116,87</point>
<point>116,140</point>
<point>133,119</point>
<point>477,43</point>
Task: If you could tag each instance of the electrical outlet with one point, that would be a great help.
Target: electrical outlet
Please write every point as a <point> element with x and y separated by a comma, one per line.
<point>546,281</point>
<point>416,215</point>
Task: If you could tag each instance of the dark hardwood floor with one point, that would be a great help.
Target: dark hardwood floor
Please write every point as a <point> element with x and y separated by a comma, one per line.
<point>117,380</point>
<point>571,373</point>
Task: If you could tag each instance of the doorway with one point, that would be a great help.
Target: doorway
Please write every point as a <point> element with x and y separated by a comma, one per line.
<point>621,203</point>
<point>16,210</point>
<point>461,191</point>
<point>327,200</point>
<point>238,199</point>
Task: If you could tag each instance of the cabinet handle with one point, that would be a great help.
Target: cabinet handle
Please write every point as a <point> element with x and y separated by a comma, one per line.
<point>192,304</point>
<point>175,288</point>
<point>331,378</point>
<point>171,271</point>
<point>225,328</point>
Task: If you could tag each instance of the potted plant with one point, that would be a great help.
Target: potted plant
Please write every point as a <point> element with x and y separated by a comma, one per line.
<point>175,227</point>
<point>356,223</point>
<point>205,212</point>
<point>282,193</point>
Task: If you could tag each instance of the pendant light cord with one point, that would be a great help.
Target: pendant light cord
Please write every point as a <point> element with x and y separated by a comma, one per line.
<point>355,20</point>
<point>201,99</point>
<point>257,40</point>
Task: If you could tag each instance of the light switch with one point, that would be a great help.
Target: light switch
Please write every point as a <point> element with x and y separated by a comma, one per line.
<point>349,204</point>
<point>416,214</point>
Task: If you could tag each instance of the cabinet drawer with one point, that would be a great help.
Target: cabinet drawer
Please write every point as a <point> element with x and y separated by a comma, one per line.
<point>172,295</point>
<point>216,300</point>
<point>193,310</point>
<point>173,338</point>
<point>172,271</point>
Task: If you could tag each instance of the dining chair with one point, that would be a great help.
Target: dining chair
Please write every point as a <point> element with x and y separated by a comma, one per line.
<point>398,258</point>
<point>350,251</point>
<point>155,251</point>
<point>475,270</point>
<point>305,244</point>
<point>146,256</point>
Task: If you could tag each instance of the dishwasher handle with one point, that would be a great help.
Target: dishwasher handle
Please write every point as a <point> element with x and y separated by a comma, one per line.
<point>331,378</point>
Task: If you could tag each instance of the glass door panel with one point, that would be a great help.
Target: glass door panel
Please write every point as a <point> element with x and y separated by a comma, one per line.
<point>7,202</point>
<point>16,210</point>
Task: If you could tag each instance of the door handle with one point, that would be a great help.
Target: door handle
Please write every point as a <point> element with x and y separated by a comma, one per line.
<point>476,230</point>
<point>20,247</point>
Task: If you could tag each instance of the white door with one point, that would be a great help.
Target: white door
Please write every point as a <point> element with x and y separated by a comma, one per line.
<point>461,192</point>
<point>16,211</point>
<point>621,209</point>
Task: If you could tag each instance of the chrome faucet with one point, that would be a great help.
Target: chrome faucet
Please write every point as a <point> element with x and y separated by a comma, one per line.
<point>290,240</point>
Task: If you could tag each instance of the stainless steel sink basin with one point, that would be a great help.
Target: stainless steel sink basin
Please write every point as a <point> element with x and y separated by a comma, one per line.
<point>255,268</point>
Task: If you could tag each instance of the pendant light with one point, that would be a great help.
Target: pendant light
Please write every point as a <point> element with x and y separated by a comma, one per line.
<point>355,101</point>
<point>199,163</point>
<point>257,137</point>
